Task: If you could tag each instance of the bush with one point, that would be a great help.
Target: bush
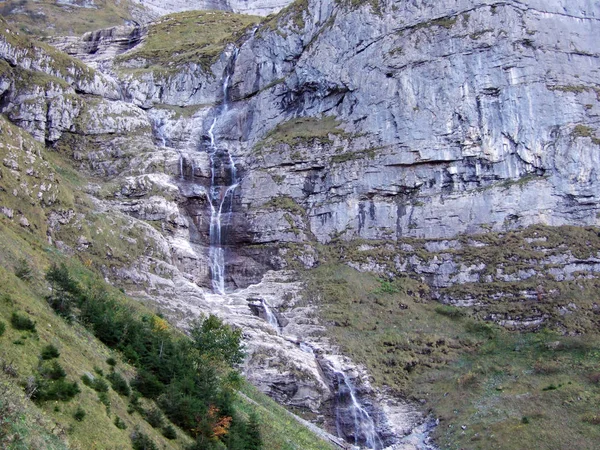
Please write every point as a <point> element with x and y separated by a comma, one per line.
<point>139,441</point>
<point>2,328</point>
<point>148,384</point>
<point>49,352</point>
<point>97,384</point>
<point>169,432</point>
<point>112,362</point>
<point>20,322</point>
<point>79,415</point>
<point>52,371</point>
<point>120,423</point>
<point>60,390</point>
<point>23,270</point>
<point>253,436</point>
<point>105,400</point>
<point>119,384</point>
<point>154,417</point>
<point>50,384</point>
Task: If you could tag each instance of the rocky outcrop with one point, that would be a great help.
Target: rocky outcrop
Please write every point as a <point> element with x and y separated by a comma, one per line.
<point>258,8</point>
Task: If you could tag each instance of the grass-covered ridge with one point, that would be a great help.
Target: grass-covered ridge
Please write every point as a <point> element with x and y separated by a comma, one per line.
<point>189,37</point>
<point>47,18</point>
<point>302,130</point>
<point>508,389</point>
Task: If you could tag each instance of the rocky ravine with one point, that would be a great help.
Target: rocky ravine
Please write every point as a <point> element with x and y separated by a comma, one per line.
<point>383,122</point>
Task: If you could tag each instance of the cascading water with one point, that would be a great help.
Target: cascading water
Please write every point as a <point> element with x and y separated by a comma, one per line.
<point>220,195</point>
<point>271,317</point>
<point>352,421</point>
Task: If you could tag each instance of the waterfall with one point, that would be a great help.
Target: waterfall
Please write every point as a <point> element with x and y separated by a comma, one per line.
<point>352,421</point>
<point>271,317</point>
<point>220,195</point>
<point>306,348</point>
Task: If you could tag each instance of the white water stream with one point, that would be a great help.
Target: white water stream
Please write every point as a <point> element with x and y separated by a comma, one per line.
<point>220,196</point>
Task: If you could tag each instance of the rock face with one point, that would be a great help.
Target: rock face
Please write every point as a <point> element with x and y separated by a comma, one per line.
<point>402,123</point>
<point>258,8</point>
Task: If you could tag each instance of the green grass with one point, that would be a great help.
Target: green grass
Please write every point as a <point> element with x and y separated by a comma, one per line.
<point>302,130</point>
<point>181,38</point>
<point>280,431</point>
<point>466,371</point>
<point>48,18</point>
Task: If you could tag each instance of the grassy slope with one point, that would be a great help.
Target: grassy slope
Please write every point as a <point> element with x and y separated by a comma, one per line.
<point>510,390</point>
<point>193,36</point>
<point>49,18</point>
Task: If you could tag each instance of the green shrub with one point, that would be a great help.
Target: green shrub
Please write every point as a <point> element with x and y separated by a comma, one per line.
<point>23,270</point>
<point>154,417</point>
<point>119,384</point>
<point>50,384</point>
<point>97,384</point>
<point>120,423</point>
<point>169,432</point>
<point>104,399</point>
<point>148,384</point>
<point>52,371</point>
<point>79,415</point>
<point>112,362</point>
<point>100,385</point>
<point>139,441</point>
<point>49,352</point>
<point>253,436</point>
<point>60,390</point>
<point>87,380</point>
<point>2,328</point>
<point>21,322</point>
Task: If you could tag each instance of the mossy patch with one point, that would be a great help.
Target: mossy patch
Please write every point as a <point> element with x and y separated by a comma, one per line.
<point>301,131</point>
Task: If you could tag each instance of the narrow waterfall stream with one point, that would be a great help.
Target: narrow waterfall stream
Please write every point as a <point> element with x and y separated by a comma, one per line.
<point>352,421</point>
<point>223,182</point>
<point>271,317</point>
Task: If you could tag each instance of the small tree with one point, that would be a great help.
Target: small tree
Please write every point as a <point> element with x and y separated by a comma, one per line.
<point>253,437</point>
<point>65,290</point>
<point>217,340</point>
